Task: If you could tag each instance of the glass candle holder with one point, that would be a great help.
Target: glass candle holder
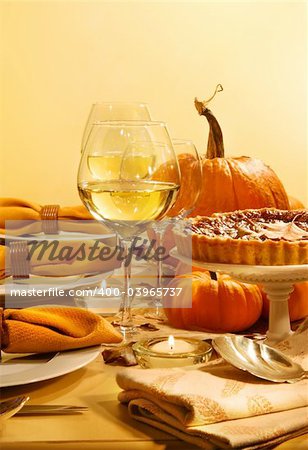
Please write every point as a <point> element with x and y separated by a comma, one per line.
<point>169,351</point>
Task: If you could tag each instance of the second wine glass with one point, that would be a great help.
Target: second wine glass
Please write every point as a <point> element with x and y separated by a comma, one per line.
<point>190,165</point>
<point>128,177</point>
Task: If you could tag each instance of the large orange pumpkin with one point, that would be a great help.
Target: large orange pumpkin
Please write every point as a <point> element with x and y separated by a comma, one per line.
<point>298,302</point>
<point>220,305</point>
<point>234,183</point>
<point>295,203</point>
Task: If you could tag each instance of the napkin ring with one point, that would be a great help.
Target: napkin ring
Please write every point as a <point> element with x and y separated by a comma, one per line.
<point>20,264</point>
<point>49,216</point>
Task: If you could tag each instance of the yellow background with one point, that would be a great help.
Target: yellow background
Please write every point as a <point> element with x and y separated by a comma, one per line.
<point>59,57</point>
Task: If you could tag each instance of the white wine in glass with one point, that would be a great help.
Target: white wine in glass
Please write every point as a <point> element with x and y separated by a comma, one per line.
<point>135,183</point>
<point>128,202</point>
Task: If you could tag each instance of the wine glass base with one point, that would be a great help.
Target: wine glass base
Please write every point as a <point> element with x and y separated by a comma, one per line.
<point>156,310</point>
<point>157,314</point>
<point>128,332</point>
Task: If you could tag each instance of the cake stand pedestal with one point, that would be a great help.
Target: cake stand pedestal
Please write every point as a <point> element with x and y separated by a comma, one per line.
<point>277,282</point>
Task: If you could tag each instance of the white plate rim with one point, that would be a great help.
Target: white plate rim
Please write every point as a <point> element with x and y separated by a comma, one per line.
<point>62,236</point>
<point>65,283</point>
<point>53,368</point>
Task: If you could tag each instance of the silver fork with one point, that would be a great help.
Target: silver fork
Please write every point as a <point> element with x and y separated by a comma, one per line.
<point>17,406</point>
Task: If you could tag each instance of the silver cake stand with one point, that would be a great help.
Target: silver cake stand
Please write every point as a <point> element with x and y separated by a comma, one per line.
<point>277,281</point>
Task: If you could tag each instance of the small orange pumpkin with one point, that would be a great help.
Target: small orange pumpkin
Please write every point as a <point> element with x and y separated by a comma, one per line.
<point>298,302</point>
<point>184,269</point>
<point>221,304</point>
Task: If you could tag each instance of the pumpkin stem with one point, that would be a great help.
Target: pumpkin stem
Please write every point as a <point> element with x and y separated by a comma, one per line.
<point>215,145</point>
<point>213,275</point>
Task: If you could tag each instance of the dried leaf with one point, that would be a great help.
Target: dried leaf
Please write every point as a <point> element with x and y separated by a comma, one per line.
<point>120,356</point>
<point>148,327</point>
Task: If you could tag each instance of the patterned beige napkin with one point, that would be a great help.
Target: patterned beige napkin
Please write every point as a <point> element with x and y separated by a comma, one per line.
<point>220,406</point>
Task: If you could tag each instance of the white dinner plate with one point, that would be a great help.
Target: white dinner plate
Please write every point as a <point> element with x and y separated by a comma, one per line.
<point>45,282</point>
<point>11,286</point>
<point>18,373</point>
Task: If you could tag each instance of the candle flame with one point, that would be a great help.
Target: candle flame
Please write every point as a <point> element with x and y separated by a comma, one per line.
<point>171,342</point>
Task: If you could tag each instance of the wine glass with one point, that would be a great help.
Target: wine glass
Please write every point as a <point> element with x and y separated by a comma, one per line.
<point>114,111</point>
<point>107,111</point>
<point>128,177</point>
<point>190,164</point>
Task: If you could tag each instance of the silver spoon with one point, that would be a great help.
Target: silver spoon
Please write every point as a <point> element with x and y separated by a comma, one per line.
<point>258,359</point>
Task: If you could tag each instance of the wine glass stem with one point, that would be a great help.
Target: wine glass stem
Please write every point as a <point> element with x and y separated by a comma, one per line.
<point>126,323</point>
<point>159,297</point>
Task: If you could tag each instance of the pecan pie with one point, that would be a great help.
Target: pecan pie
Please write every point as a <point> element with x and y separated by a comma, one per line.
<point>252,236</point>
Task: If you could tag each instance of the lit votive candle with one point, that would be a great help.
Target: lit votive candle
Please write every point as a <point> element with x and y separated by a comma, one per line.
<point>170,351</point>
<point>172,346</point>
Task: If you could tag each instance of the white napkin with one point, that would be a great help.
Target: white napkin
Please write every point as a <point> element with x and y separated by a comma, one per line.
<point>220,406</point>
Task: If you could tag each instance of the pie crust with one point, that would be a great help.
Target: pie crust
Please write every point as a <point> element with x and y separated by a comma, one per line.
<point>253,236</point>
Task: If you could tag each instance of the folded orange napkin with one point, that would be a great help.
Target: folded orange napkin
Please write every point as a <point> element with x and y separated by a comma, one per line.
<point>52,329</point>
<point>2,261</point>
<point>219,406</point>
<point>27,217</point>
